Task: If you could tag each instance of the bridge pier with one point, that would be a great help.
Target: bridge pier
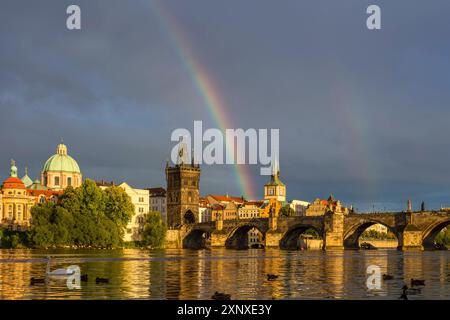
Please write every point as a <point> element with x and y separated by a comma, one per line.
<point>411,238</point>
<point>218,239</point>
<point>273,238</point>
<point>334,231</point>
<point>174,239</point>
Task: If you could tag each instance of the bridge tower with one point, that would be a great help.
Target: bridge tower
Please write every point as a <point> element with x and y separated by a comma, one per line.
<point>182,196</point>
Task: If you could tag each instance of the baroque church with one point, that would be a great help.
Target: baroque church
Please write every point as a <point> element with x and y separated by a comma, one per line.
<point>17,196</point>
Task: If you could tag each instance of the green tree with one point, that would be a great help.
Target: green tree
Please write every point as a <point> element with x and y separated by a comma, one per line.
<point>118,206</point>
<point>287,211</point>
<point>443,238</point>
<point>41,230</point>
<point>84,217</point>
<point>154,230</point>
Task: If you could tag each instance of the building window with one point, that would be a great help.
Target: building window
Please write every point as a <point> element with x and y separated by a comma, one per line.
<point>69,181</point>
<point>42,199</point>
<point>141,199</point>
<point>141,210</point>
<point>56,181</point>
<point>10,212</point>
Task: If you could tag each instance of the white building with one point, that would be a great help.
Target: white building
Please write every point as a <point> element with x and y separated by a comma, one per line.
<point>299,207</point>
<point>204,210</point>
<point>250,210</point>
<point>158,201</point>
<point>140,199</point>
<point>254,238</point>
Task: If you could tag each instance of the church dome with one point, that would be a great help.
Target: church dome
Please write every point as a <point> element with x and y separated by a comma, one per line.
<point>61,162</point>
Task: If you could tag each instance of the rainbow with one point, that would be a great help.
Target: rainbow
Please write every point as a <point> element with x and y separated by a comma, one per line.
<point>205,86</point>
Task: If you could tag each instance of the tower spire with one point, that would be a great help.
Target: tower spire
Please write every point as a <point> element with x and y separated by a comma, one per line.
<point>275,167</point>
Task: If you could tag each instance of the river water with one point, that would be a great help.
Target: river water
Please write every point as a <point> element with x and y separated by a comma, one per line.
<point>189,274</point>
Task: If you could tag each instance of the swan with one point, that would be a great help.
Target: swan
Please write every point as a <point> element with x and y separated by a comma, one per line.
<point>62,272</point>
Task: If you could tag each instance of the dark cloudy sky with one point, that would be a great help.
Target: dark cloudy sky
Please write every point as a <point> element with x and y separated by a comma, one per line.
<point>362,114</point>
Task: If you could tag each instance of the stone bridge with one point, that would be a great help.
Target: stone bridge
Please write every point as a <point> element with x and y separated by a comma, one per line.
<point>414,230</point>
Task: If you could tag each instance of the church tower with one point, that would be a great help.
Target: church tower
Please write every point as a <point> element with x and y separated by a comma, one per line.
<point>275,189</point>
<point>182,195</point>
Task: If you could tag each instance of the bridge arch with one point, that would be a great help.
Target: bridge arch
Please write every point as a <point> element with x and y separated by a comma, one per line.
<point>290,239</point>
<point>352,235</point>
<point>430,233</point>
<point>238,237</point>
<point>196,239</point>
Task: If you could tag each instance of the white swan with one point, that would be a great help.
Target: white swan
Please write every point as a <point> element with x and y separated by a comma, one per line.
<point>62,272</point>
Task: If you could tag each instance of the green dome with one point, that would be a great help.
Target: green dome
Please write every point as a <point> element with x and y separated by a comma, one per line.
<point>61,161</point>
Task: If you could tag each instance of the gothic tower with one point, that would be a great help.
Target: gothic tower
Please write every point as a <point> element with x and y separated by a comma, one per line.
<point>182,195</point>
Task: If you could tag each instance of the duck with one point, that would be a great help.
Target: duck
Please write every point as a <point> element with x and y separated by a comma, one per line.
<point>271,277</point>
<point>101,280</point>
<point>220,296</point>
<point>417,282</point>
<point>404,295</point>
<point>387,277</point>
<point>34,281</point>
<point>84,277</point>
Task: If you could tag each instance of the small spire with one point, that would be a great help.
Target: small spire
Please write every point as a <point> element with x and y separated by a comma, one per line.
<point>26,171</point>
<point>13,172</point>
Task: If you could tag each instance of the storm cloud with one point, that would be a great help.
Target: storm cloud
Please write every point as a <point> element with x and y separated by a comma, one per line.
<point>362,114</point>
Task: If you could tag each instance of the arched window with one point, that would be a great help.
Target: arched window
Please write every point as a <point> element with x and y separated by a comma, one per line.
<point>69,181</point>
<point>56,181</point>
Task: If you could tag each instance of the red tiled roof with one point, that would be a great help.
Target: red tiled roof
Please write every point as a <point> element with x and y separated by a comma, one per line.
<point>253,203</point>
<point>227,198</point>
<point>47,193</point>
<point>203,202</point>
<point>13,183</point>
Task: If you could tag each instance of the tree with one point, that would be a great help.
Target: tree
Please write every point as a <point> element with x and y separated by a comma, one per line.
<point>287,211</point>
<point>41,230</point>
<point>84,217</point>
<point>154,230</point>
<point>118,206</point>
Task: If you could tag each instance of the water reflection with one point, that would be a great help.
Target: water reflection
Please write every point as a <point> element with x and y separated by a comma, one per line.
<point>189,274</point>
